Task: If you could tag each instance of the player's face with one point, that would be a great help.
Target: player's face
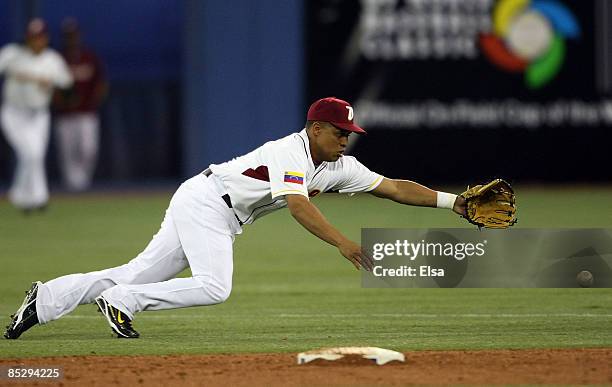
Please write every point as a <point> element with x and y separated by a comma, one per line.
<point>72,40</point>
<point>330,143</point>
<point>38,43</point>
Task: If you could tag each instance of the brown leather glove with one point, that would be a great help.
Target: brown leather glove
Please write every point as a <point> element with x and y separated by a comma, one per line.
<point>491,205</point>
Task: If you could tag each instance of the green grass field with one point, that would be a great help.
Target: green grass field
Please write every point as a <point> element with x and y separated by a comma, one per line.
<point>291,291</point>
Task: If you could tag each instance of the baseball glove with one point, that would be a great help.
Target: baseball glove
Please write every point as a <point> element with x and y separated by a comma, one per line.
<point>491,205</point>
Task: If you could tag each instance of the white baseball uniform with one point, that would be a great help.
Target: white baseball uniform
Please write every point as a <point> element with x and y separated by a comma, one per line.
<point>198,230</point>
<point>25,116</point>
<point>78,138</point>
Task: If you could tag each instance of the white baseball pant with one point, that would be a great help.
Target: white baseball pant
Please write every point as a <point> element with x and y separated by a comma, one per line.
<point>27,132</point>
<point>78,138</point>
<point>197,231</point>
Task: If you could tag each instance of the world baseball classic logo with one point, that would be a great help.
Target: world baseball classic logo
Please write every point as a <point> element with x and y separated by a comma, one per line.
<point>528,36</point>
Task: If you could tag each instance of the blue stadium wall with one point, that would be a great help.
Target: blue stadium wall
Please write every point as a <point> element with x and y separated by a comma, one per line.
<point>243,77</point>
<point>191,82</point>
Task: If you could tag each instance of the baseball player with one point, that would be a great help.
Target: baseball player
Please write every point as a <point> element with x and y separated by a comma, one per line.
<point>32,71</point>
<point>77,122</point>
<point>208,210</point>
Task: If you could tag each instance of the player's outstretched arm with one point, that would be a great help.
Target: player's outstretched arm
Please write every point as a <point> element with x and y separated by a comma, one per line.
<point>411,193</point>
<point>309,216</point>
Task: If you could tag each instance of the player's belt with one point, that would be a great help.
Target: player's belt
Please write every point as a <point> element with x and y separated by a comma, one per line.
<point>226,198</point>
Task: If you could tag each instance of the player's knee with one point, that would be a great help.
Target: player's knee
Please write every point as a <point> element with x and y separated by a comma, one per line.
<point>221,294</point>
<point>215,291</point>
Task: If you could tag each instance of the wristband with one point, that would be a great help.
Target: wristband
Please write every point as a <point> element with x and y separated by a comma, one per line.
<point>445,200</point>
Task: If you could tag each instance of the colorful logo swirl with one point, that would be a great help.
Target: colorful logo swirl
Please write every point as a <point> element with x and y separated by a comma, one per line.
<point>529,36</point>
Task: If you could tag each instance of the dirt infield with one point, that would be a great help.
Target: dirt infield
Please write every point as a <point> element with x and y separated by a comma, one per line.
<point>563,366</point>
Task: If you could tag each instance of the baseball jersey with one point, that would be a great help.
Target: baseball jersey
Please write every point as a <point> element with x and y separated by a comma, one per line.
<point>88,74</point>
<point>258,181</point>
<point>17,59</point>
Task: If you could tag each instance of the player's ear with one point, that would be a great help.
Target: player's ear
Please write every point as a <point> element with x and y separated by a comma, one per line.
<point>317,127</point>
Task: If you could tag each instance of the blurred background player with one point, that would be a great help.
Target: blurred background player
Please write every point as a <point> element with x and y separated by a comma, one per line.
<point>77,120</point>
<point>32,71</point>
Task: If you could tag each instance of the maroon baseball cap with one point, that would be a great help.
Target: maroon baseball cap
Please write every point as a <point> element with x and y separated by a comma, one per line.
<point>335,111</point>
<point>36,27</point>
<point>70,25</point>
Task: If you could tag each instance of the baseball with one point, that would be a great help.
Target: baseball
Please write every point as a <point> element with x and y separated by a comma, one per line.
<point>585,279</point>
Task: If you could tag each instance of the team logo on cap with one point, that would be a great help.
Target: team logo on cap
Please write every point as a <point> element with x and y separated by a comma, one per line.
<point>529,37</point>
<point>350,112</point>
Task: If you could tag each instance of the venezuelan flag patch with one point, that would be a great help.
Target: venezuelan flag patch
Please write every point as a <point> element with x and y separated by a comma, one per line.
<point>294,177</point>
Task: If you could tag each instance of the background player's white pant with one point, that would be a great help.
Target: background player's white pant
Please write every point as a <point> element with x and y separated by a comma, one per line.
<point>27,131</point>
<point>198,230</point>
<point>78,139</point>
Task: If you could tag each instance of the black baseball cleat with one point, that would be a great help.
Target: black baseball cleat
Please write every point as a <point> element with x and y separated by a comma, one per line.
<point>118,321</point>
<point>26,316</point>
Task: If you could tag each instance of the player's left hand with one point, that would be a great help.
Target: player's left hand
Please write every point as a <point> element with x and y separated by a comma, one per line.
<point>491,205</point>
<point>460,206</point>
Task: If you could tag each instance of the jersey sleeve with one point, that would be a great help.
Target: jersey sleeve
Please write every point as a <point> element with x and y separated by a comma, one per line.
<point>356,177</point>
<point>7,53</point>
<point>287,171</point>
<point>62,77</point>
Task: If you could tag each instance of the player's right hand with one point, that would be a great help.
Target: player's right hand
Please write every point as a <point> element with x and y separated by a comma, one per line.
<point>355,254</point>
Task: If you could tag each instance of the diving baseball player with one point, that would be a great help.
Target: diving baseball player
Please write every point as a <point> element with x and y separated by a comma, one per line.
<point>208,210</point>
<point>32,71</point>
